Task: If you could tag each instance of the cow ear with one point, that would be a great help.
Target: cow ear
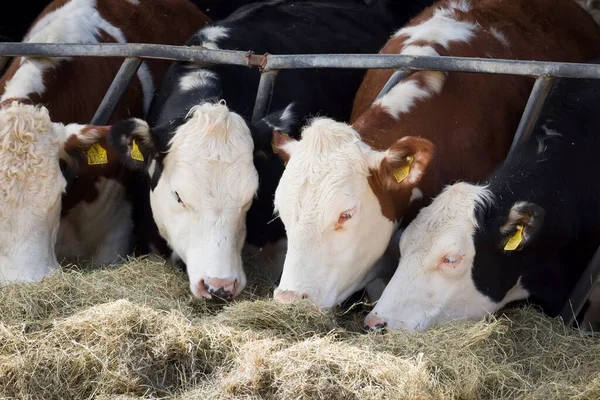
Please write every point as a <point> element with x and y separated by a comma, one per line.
<point>404,163</point>
<point>85,144</point>
<point>523,223</point>
<point>273,133</point>
<point>134,141</point>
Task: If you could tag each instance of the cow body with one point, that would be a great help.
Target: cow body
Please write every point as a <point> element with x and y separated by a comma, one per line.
<point>211,182</point>
<point>44,94</point>
<point>382,169</point>
<point>527,232</point>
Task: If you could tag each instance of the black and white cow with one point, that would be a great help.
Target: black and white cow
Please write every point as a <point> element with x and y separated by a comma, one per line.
<point>528,232</point>
<point>212,173</point>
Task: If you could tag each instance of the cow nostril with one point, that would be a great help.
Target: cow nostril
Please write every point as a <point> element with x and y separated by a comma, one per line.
<point>378,328</point>
<point>304,296</point>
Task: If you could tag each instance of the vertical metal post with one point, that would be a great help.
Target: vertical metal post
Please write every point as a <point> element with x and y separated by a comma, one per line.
<point>116,90</point>
<point>532,111</point>
<point>3,62</point>
<point>393,81</point>
<point>582,290</point>
<point>264,94</point>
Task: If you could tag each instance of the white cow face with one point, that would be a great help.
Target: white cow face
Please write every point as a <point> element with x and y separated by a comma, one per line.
<point>202,194</point>
<point>434,281</point>
<point>31,188</point>
<point>336,225</point>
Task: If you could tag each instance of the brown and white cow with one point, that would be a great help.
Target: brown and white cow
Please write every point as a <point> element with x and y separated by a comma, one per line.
<point>346,187</point>
<point>37,150</point>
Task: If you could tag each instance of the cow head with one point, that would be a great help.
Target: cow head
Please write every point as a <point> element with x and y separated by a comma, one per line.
<point>339,200</point>
<point>461,258</point>
<point>203,182</point>
<point>35,157</point>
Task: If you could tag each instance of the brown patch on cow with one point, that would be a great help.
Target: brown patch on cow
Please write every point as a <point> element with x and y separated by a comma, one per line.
<point>474,118</point>
<point>76,87</point>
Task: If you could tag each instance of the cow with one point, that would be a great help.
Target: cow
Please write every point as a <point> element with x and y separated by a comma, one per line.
<point>212,174</point>
<point>346,188</point>
<point>46,146</point>
<point>527,232</point>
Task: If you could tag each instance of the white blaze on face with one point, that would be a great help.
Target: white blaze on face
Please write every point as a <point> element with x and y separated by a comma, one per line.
<point>31,185</point>
<point>433,282</point>
<point>203,195</point>
<point>335,227</point>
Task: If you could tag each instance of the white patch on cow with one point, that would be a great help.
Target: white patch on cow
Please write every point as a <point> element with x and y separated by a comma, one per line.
<point>212,35</point>
<point>99,231</point>
<point>461,5</point>
<point>326,176</point>
<point>77,21</point>
<point>31,185</point>
<point>197,79</point>
<point>210,167</point>
<point>147,84</point>
<point>500,36</point>
<point>422,292</point>
<point>402,97</point>
<point>416,194</point>
<point>441,29</point>
<point>542,139</point>
<point>134,2</point>
<point>287,117</point>
<point>152,168</point>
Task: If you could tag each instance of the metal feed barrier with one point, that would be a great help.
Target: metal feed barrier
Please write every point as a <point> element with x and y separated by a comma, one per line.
<point>270,64</point>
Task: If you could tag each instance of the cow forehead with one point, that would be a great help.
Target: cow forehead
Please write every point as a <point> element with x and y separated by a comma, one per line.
<point>28,152</point>
<point>329,156</point>
<point>212,133</point>
<point>450,218</point>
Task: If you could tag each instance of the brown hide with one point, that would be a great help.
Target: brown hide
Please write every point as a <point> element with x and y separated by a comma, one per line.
<point>473,120</point>
<point>75,88</point>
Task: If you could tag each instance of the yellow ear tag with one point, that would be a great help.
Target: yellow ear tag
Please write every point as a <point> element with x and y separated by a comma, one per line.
<point>515,240</point>
<point>136,154</point>
<point>273,146</point>
<point>96,155</point>
<point>401,173</point>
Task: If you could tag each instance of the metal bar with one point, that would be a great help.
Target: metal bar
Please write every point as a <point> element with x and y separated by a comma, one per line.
<point>396,77</point>
<point>116,90</point>
<point>122,50</point>
<point>532,111</point>
<point>582,290</point>
<point>435,63</point>
<point>269,62</point>
<point>264,94</point>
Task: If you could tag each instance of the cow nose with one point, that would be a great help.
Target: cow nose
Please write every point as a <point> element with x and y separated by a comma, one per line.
<point>287,296</point>
<point>374,323</point>
<point>221,288</point>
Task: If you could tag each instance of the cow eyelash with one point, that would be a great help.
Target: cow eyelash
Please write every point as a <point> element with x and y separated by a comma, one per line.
<point>178,198</point>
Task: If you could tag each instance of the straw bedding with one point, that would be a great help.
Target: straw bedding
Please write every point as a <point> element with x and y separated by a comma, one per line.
<point>134,331</point>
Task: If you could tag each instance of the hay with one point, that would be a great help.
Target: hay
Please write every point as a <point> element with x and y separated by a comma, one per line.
<point>135,332</point>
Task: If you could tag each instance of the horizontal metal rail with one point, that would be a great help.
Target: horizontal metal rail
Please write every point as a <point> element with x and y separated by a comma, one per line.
<point>274,61</point>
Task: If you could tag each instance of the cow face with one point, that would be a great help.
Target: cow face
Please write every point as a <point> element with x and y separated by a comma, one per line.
<point>32,149</point>
<point>460,259</point>
<point>330,201</point>
<point>203,183</point>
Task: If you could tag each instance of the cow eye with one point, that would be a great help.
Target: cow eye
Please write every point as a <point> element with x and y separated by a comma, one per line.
<point>178,198</point>
<point>345,216</point>
<point>450,260</point>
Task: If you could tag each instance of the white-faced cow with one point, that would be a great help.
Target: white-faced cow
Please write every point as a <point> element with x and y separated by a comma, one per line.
<point>39,96</point>
<point>346,187</point>
<point>527,232</point>
<point>212,184</point>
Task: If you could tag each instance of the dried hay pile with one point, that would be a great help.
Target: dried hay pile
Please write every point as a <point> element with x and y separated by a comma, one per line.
<point>135,332</point>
